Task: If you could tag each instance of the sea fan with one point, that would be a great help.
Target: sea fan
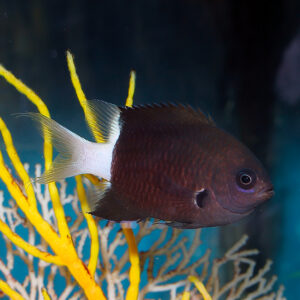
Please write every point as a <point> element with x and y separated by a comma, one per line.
<point>51,250</point>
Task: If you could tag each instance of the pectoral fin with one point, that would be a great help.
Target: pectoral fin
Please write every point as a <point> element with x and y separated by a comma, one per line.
<point>182,225</point>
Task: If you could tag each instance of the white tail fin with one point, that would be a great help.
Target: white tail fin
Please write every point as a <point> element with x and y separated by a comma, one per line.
<point>70,146</point>
<point>77,155</point>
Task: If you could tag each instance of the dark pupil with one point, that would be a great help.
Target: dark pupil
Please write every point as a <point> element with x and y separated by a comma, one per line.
<point>246,179</point>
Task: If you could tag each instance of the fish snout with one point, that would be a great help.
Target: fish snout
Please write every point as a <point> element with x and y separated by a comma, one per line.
<point>266,193</point>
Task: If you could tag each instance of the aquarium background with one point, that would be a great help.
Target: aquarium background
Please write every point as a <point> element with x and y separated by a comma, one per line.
<point>239,61</point>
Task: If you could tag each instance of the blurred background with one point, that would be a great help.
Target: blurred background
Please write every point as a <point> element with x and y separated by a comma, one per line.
<point>237,60</point>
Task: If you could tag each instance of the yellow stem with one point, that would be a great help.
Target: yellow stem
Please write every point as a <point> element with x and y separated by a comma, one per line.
<point>39,103</point>
<point>43,227</point>
<point>31,213</point>
<point>75,81</point>
<point>91,225</point>
<point>134,272</point>
<point>186,296</point>
<point>82,99</point>
<point>89,117</point>
<point>63,248</point>
<point>86,281</point>
<point>129,100</point>
<point>58,209</point>
<point>13,155</point>
<point>45,294</point>
<point>200,286</point>
<point>36,100</point>
<point>93,179</point>
<point>19,242</point>
<point>6,289</point>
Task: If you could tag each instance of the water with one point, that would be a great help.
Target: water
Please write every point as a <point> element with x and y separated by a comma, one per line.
<point>238,62</point>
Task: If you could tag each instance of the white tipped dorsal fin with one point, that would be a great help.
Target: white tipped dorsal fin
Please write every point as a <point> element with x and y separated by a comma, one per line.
<point>104,123</point>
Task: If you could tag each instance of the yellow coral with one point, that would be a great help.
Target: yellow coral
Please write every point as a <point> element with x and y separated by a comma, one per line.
<point>45,294</point>
<point>134,273</point>
<point>200,287</point>
<point>61,242</point>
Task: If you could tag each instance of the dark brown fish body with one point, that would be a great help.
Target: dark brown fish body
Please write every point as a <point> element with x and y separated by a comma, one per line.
<point>164,157</point>
<point>168,162</point>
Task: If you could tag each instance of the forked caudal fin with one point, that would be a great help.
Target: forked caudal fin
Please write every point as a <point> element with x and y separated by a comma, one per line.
<point>76,155</point>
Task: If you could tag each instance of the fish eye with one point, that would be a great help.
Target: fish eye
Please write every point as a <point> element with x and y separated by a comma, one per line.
<point>246,179</point>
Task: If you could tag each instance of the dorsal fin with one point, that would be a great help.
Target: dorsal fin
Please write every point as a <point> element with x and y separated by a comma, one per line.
<point>104,121</point>
<point>165,113</point>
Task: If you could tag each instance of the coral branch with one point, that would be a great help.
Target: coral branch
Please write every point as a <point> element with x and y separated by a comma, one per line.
<point>65,248</point>
<point>6,289</point>
<point>45,294</point>
<point>131,88</point>
<point>36,100</point>
<point>39,103</point>
<point>93,179</point>
<point>135,270</point>
<point>171,263</point>
<point>91,120</point>
<point>59,211</point>
<point>134,273</point>
<point>200,286</point>
<point>186,296</point>
<point>91,226</point>
<point>31,213</point>
<point>18,241</point>
<point>14,157</point>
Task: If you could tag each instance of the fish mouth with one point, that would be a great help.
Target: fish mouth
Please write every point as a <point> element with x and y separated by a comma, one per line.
<point>266,194</point>
<point>260,197</point>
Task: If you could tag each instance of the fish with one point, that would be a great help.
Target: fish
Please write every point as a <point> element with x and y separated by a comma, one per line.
<point>169,162</point>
